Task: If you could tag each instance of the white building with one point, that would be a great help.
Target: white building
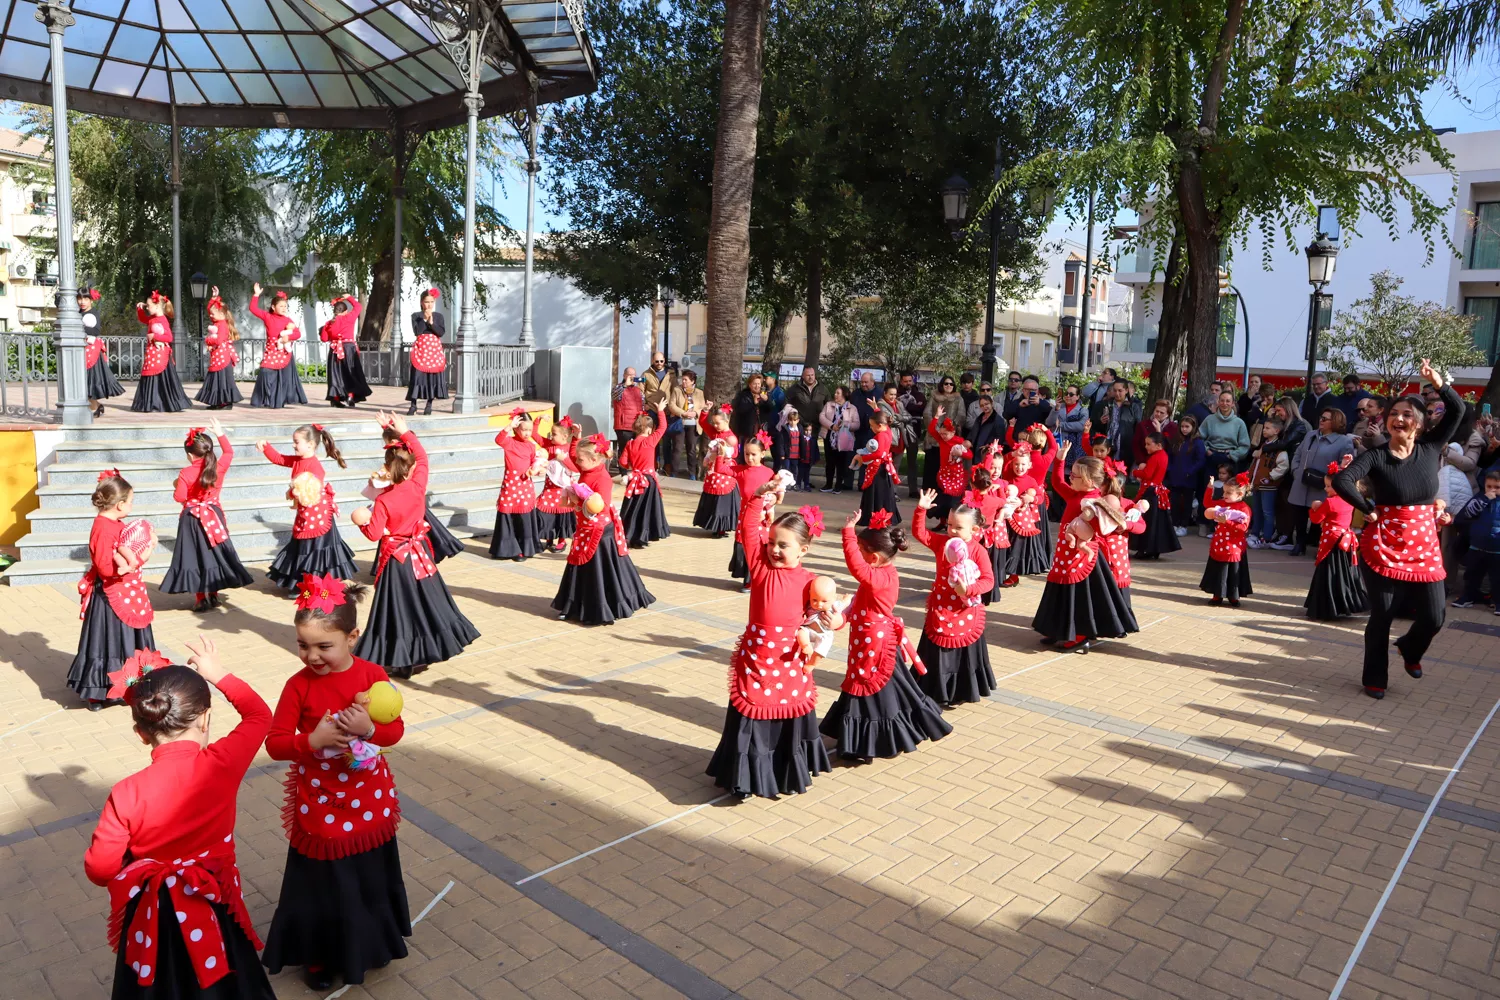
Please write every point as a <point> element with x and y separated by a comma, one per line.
<point>28,208</point>
<point>1275,300</point>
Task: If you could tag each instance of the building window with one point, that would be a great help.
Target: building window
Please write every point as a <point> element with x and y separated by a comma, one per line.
<point>1486,313</point>
<point>1047,354</point>
<point>1023,353</point>
<point>1484,242</point>
<point>1070,283</point>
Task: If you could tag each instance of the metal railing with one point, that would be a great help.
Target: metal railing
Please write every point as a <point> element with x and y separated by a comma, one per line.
<point>29,386</point>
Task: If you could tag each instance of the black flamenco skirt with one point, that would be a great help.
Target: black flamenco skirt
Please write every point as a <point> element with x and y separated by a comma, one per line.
<point>160,393</point>
<point>768,757</point>
<point>101,381</point>
<point>444,543</point>
<point>645,517</point>
<point>1158,538</point>
<point>1030,555</point>
<point>218,389</point>
<point>278,387</point>
<point>944,503</point>
<point>412,622</point>
<point>327,553</point>
<point>176,978</point>
<point>1227,581</point>
<point>1336,589</point>
<point>427,385</point>
<point>999,561</point>
<point>345,916</point>
<point>955,676</point>
<point>104,642</point>
<point>555,528</point>
<point>602,590</point>
<point>881,495</point>
<point>346,378</point>
<point>1093,608</point>
<point>738,567</point>
<point>888,723</point>
<point>200,568</point>
<point>718,513</point>
<point>515,536</point>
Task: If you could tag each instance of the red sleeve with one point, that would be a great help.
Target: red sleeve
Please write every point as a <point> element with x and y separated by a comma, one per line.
<point>854,558</point>
<point>923,534</point>
<point>1010,435</point>
<point>180,489</point>
<point>354,308</point>
<point>106,854</point>
<point>661,428</point>
<point>1051,452</point>
<point>292,332</point>
<point>1208,497</point>
<point>1060,483</point>
<point>103,556</point>
<point>750,518</point>
<point>283,742</point>
<point>239,748</point>
<point>211,338</point>
<point>277,458</point>
<point>932,428</point>
<point>387,734</point>
<point>374,530</point>
<point>502,436</point>
<point>419,472</point>
<point>1318,512</point>
<point>325,332</point>
<point>143,316</point>
<point>226,457</point>
<point>258,312</point>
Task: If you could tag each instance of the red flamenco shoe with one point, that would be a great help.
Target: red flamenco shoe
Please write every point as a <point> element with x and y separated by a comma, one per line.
<point>1216,601</point>
<point>1075,645</point>
<point>1376,693</point>
<point>1011,581</point>
<point>1414,670</point>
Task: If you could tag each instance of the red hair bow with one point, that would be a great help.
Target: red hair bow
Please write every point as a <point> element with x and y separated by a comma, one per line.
<point>156,296</point>
<point>764,438</point>
<point>94,294</point>
<point>726,409</point>
<point>320,593</point>
<point>317,427</point>
<point>393,444</point>
<point>814,518</point>
<point>946,425</point>
<point>108,474</point>
<point>600,443</point>
<point>434,293</point>
<point>132,670</point>
<point>192,435</point>
<point>1024,448</point>
<point>216,303</point>
<point>1243,479</point>
<point>567,422</point>
<point>519,411</point>
<point>280,294</point>
<point>880,520</point>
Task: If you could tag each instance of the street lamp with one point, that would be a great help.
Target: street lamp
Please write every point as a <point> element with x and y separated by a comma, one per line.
<point>955,194</point>
<point>1322,254</point>
<point>198,285</point>
<point>668,300</point>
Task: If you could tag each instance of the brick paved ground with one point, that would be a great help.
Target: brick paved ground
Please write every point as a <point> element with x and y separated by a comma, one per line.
<point>1209,809</point>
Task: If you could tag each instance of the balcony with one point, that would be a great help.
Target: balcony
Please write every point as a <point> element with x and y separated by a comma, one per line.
<point>28,224</point>
<point>28,296</point>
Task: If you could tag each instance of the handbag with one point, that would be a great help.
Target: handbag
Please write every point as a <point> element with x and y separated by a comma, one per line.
<point>674,426</point>
<point>1313,478</point>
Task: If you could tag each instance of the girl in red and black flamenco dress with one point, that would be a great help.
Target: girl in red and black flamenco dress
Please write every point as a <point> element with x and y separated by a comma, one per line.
<point>219,391</point>
<point>1156,535</point>
<point>952,481</point>
<point>555,521</point>
<point>515,534</point>
<point>878,478</point>
<point>346,373</point>
<point>164,846</point>
<point>342,909</point>
<point>1403,565</point>
<point>997,500</point>
<point>770,745</point>
<point>642,513</point>
<point>204,561</point>
<point>1336,590</point>
<point>113,603</point>
<point>600,583</point>
<point>444,544</point>
<point>1081,602</point>
<point>315,546</point>
<point>159,389</point>
<point>750,476</point>
<point>1029,552</point>
<point>277,384</point>
<point>953,646</point>
<point>97,373</point>
<point>1114,546</point>
<point>881,711</point>
<point>719,504</point>
<point>428,378</point>
<point>1227,575</point>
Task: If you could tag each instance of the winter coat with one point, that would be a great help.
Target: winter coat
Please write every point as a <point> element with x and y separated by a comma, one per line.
<point>1225,435</point>
<point>1315,452</point>
<point>1185,465</point>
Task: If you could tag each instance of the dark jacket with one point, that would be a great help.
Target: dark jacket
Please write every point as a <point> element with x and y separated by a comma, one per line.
<point>419,325</point>
<point>1028,414</point>
<point>1349,404</point>
<point>1313,405</point>
<point>809,436</point>
<point>1291,437</point>
<point>1185,464</point>
<point>747,415</point>
<point>809,403</point>
<point>868,405</point>
<point>983,431</point>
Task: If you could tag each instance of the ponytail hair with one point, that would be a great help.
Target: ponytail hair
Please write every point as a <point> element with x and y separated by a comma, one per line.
<point>318,434</point>
<point>234,330</point>
<point>202,446</point>
<point>344,617</point>
<point>1111,487</point>
<point>981,478</point>
<point>399,461</point>
<point>1093,470</point>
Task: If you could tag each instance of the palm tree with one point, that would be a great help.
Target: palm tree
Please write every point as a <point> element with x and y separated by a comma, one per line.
<point>1453,35</point>
<point>734,180</point>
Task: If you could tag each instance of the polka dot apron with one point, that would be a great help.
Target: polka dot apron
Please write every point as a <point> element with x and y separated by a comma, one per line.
<point>333,810</point>
<point>767,678</point>
<point>1402,544</point>
<point>874,641</point>
<point>427,354</point>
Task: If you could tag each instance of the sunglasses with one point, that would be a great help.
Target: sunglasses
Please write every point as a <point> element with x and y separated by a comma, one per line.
<point>948,385</point>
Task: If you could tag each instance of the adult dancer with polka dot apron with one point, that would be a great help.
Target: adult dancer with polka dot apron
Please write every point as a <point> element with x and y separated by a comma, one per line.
<point>1403,563</point>
<point>428,378</point>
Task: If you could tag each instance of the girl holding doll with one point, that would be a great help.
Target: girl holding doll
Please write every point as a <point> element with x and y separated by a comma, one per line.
<point>277,385</point>
<point>1227,575</point>
<point>315,546</point>
<point>719,504</point>
<point>953,646</point>
<point>159,388</point>
<point>879,479</point>
<point>218,391</point>
<point>555,522</point>
<point>204,561</point>
<point>750,475</point>
<point>1336,589</point>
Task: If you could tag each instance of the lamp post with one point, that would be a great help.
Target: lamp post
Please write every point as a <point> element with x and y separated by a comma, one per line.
<point>198,286</point>
<point>668,300</point>
<point>1245,311</point>
<point>1322,253</point>
<point>1085,321</point>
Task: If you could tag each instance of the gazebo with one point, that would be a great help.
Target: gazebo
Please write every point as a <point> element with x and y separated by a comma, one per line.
<point>398,65</point>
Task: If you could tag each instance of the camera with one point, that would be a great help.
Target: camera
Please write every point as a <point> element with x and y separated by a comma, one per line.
<point>639,380</point>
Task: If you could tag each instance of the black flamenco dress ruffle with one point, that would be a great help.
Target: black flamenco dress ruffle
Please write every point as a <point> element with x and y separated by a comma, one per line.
<point>955,675</point>
<point>104,643</point>
<point>999,560</point>
<point>176,978</point>
<point>445,543</point>
<point>346,377</point>
<point>717,513</point>
<point>555,529</point>
<point>1227,581</point>
<point>645,517</point>
<point>427,385</point>
<point>101,380</point>
<point>160,393</point>
<point>515,536</point>
<point>278,387</point>
<point>739,569</point>
<point>1094,608</point>
<point>412,622</point>
<point>1337,589</point>
<point>602,590</point>
<point>1159,536</point>
<point>200,568</point>
<point>881,495</point>
<point>219,389</point>
<point>888,723</point>
<point>327,553</point>
<point>768,757</point>
<point>1030,555</point>
<point>345,916</point>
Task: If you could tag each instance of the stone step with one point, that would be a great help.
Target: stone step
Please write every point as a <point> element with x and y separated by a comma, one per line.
<point>340,423</point>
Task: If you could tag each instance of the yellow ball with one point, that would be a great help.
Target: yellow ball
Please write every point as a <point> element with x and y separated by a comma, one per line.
<point>385,702</point>
<point>594,504</point>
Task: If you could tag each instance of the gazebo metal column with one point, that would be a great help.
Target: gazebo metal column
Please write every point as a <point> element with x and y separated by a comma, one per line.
<point>533,166</point>
<point>467,54</point>
<point>179,346</point>
<point>72,388</point>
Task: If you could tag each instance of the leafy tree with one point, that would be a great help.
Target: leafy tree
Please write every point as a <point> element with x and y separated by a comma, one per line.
<point>1388,334</point>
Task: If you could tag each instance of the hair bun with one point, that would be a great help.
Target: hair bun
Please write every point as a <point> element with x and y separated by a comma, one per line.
<point>149,706</point>
<point>898,537</point>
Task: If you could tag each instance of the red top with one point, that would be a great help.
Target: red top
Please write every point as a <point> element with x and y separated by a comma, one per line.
<point>342,327</point>
<point>777,594</point>
<point>720,479</point>
<point>881,459</point>
<point>307,695</point>
<point>551,500</point>
<point>950,477</point>
<point>1040,462</point>
<point>517,495</point>
<point>158,339</point>
<point>297,463</point>
<point>876,632</point>
<point>221,346</point>
<point>751,478</point>
<point>879,586</point>
<point>767,679</point>
<point>276,356</point>
<point>591,528</point>
<point>1072,562</point>
<point>400,510</point>
<point>1334,514</point>
<point>126,593</point>
<point>187,488</point>
<point>952,622</point>
<point>1154,472</point>
<point>638,458</point>
<point>311,522</point>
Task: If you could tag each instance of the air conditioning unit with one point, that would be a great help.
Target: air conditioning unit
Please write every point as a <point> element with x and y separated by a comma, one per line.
<point>20,269</point>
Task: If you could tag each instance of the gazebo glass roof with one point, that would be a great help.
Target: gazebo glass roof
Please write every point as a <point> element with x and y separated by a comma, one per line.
<point>298,63</point>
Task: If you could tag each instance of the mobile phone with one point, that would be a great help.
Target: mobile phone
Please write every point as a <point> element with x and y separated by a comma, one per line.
<point>639,380</point>
<point>1484,410</point>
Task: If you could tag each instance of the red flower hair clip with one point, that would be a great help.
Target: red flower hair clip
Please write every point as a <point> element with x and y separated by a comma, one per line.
<point>192,435</point>
<point>433,292</point>
<point>946,425</point>
<point>880,520</point>
<point>156,296</point>
<point>763,438</point>
<point>217,303</point>
<point>108,474</point>
<point>280,294</point>
<point>726,409</point>
<point>131,671</point>
<point>1334,468</point>
<point>567,422</point>
<point>973,498</point>
<point>94,294</point>
<point>320,593</point>
<point>814,518</point>
<point>1024,448</point>
<point>1243,479</point>
<point>519,411</point>
<point>600,443</point>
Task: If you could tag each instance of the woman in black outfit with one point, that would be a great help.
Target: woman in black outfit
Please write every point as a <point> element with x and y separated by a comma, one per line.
<point>1403,564</point>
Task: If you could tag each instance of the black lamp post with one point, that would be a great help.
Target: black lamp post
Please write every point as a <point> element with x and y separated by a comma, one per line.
<point>955,194</point>
<point>1322,254</point>
<point>198,286</point>
<point>668,300</point>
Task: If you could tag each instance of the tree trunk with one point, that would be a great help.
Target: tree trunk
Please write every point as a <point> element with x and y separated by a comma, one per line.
<point>814,314</point>
<point>775,349</point>
<point>1171,354</point>
<point>728,267</point>
<point>375,325</point>
<point>1200,232</point>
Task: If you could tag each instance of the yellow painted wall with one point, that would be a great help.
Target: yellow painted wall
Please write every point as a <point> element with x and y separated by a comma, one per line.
<point>17,484</point>
<point>541,414</point>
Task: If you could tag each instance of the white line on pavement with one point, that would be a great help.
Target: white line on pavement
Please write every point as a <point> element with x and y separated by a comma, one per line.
<point>621,840</point>
<point>28,725</point>
<point>425,910</point>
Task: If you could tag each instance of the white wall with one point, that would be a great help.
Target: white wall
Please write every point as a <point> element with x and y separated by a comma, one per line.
<point>561,316</point>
